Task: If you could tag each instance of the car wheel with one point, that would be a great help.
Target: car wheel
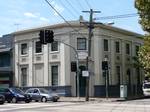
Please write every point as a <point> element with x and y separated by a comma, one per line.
<point>14,100</point>
<point>27,101</point>
<point>54,100</point>
<point>43,99</point>
<point>2,102</point>
<point>36,100</point>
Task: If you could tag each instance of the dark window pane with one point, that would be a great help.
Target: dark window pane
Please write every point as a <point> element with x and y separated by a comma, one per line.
<point>117,47</point>
<point>118,74</point>
<point>54,75</point>
<point>54,46</point>
<point>127,49</point>
<point>81,43</point>
<point>137,50</point>
<point>24,76</point>
<point>38,47</point>
<point>105,45</point>
<point>24,49</point>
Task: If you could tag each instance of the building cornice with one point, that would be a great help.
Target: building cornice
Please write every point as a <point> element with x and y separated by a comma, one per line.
<point>77,24</point>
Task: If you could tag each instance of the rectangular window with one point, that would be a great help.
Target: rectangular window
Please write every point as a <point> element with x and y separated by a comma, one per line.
<point>118,74</point>
<point>24,49</point>
<point>105,45</point>
<point>54,70</point>
<point>128,49</point>
<point>38,47</point>
<point>24,76</point>
<point>137,50</point>
<point>81,43</point>
<point>117,47</point>
<point>54,46</point>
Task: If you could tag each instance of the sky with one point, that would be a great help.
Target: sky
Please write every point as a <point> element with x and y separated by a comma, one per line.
<point>24,14</point>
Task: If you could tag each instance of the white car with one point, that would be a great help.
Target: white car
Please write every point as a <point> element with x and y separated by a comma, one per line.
<point>146,89</point>
<point>41,94</point>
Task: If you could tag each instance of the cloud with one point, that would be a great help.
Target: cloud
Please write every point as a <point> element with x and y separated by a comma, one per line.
<point>30,15</point>
<point>44,19</point>
<point>59,8</point>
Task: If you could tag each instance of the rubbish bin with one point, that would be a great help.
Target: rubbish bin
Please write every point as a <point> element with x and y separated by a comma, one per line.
<point>123,91</point>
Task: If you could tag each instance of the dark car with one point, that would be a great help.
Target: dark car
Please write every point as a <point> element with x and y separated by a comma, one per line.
<point>41,94</point>
<point>14,95</point>
<point>2,99</point>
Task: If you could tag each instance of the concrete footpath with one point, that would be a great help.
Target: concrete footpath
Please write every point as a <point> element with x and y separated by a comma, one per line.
<point>91,99</point>
<point>82,99</point>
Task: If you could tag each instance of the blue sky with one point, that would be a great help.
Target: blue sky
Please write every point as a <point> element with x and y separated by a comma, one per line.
<point>21,14</point>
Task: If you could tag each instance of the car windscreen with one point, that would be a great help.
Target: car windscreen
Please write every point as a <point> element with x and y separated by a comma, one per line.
<point>43,90</point>
<point>146,86</point>
<point>15,90</point>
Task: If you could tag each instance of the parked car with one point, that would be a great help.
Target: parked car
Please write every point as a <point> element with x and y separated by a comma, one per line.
<point>2,99</point>
<point>146,89</point>
<point>14,95</point>
<point>41,94</point>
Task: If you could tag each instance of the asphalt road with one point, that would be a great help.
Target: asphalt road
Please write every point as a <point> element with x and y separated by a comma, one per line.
<point>142,105</point>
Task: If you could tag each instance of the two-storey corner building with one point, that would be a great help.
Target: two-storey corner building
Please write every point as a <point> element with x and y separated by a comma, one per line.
<point>6,61</point>
<point>50,65</point>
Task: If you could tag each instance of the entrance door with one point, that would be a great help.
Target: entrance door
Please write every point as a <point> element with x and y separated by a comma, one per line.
<point>82,81</point>
<point>129,82</point>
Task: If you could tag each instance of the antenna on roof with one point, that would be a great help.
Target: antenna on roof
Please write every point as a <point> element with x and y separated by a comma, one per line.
<point>17,26</point>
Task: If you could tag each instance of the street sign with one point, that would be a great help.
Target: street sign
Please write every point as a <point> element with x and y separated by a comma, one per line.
<point>85,73</point>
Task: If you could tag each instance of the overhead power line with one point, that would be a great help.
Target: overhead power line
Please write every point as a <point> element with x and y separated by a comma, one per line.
<point>76,11</point>
<point>63,18</point>
<point>88,4</point>
<point>70,11</point>
<point>78,1</point>
<point>117,16</point>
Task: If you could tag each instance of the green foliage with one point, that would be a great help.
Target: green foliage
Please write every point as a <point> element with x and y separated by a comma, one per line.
<point>143,7</point>
<point>144,55</point>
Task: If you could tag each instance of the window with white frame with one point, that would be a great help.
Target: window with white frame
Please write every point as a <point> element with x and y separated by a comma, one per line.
<point>38,47</point>
<point>54,46</point>
<point>24,76</point>
<point>127,48</point>
<point>117,46</point>
<point>105,45</point>
<point>24,49</point>
<point>54,70</point>
<point>81,43</point>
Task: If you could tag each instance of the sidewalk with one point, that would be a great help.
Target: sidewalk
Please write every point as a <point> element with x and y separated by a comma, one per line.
<point>82,99</point>
<point>91,99</point>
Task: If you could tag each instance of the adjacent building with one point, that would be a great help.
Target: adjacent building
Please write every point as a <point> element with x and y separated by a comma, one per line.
<point>49,65</point>
<point>6,61</point>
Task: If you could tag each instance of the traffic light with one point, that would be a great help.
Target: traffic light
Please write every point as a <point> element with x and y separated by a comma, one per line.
<point>49,36</point>
<point>73,66</point>
<point>104,65</point>
<point>42,37</point>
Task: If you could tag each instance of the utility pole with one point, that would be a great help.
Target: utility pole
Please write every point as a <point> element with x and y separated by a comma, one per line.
<point>90,26</point>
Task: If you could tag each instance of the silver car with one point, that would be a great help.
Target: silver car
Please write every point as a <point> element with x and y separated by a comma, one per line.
<point>41,94</point>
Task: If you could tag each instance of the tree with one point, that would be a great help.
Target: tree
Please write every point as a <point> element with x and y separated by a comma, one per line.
<point>143,7</point>
<point>144,55</point>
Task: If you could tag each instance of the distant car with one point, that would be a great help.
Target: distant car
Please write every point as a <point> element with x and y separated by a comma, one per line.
<point>14,95</point>
<point>2,99</point>
<point>41,94</point>
<point>146,89</point>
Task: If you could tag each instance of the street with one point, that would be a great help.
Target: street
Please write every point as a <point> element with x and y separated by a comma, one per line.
<point>142,105</point>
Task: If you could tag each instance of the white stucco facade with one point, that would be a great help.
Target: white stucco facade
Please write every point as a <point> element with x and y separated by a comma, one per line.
<point>38,65</point>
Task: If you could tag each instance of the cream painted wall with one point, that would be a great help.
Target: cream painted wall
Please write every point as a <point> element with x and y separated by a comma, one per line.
<point>65,55</point>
